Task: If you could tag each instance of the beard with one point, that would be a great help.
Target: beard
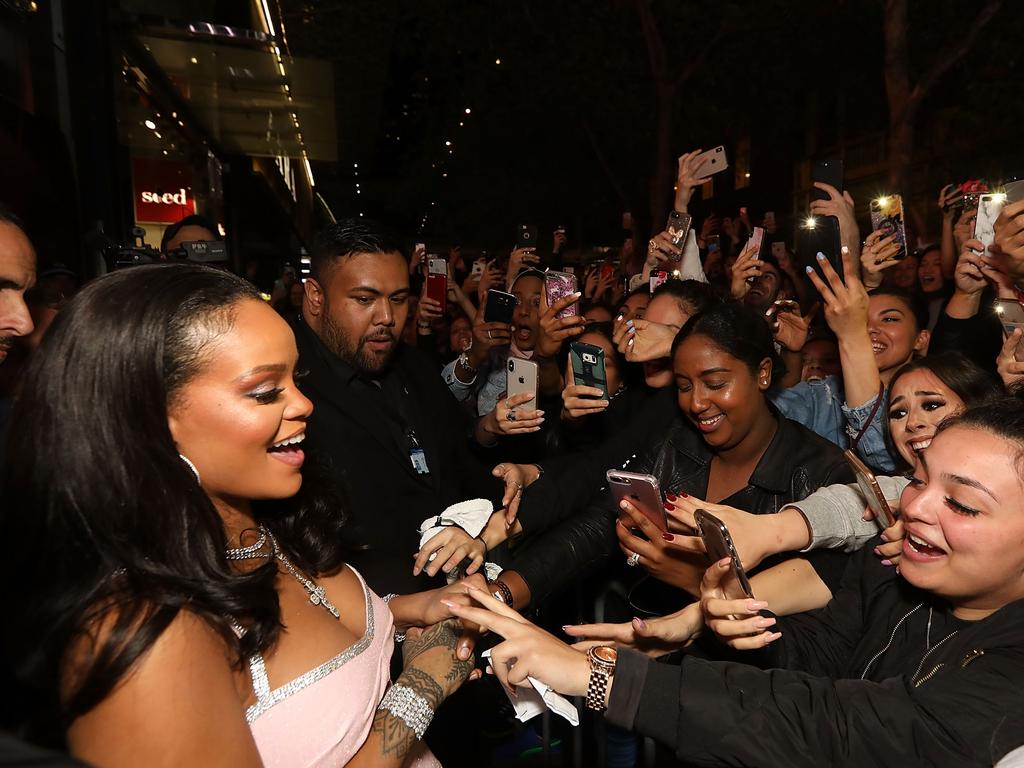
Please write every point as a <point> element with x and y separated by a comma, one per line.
<point>355,352</point>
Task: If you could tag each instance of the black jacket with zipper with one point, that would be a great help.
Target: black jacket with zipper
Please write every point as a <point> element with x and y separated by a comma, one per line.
<point>882,676</point>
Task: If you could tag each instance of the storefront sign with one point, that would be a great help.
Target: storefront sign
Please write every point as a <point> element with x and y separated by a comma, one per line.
<point>162,190</point>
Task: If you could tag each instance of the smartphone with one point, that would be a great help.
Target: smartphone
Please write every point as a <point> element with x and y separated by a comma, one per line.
<point>714,243</point>
<point>887,215</point>
<point>478,268</point>
<point>526,236</point>
<point>642,491</point>
<point>828,171</point>
<point>588,366</point>
<point>657,278</point>
<point>756,241</point>
<point>718,544</point>
<point>678,228</point>
<point>990,205</point>
<point>607,271</point>
<point>500,307</point>
<point>521,376</point>
<point>1011,314</point>
<point>870,491</point>
<point>558,285</point>
<point>1014,191</point>
<point>714,161</point>
<point>437,280</point>
<point>778,250</point>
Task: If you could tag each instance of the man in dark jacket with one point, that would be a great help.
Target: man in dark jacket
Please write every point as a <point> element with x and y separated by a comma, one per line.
<point>395,437</point>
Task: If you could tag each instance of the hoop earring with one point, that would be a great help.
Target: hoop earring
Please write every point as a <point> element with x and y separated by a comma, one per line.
<point>191,466</point>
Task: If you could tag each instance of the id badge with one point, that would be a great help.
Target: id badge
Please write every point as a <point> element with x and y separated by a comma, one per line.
<point>419,461</point>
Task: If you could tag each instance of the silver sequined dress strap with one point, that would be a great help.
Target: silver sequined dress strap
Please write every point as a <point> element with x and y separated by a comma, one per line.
<point>266,698</point>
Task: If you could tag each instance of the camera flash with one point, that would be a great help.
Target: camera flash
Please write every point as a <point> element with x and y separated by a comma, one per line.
<point>882,201</point>
<point>810,222</point>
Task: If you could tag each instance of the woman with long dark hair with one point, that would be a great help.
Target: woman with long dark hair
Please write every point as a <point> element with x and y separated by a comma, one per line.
<point>172,578</point>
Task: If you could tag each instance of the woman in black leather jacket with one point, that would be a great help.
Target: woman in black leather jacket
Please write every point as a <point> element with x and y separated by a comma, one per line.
<point>727,444</point>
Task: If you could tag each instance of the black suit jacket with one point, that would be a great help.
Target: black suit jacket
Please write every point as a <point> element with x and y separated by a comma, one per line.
<point>387,498</point>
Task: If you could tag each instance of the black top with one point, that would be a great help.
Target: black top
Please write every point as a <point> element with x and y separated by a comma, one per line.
<point>361,426</point>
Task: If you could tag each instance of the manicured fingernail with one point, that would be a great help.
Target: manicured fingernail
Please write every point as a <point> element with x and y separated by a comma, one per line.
<point>668,537</point>
<point>773,637</point>
<point>566,627</point>
<point>820,256</point>
<point>540,413</point>
<point>877,551</point>
<point>448,603</point>
<point>844,250</point>
<point>764,623</point>
<point>639,623</point>
<point>753,606</point>
<point>464,653</point>
<point>809,270</point>
<point>623,505</point>
<point>668,506</point>
<point>618,318</point>
<point>883,537</point>
<point>684,495</point>
<point>670,497</point>
<point>887,562</point>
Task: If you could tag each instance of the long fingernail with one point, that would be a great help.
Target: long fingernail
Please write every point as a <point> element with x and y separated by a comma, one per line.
<point>753,606</point>
<point>764,623</point>
<point>668,506</point>
<point>820,256</point>
<point>639,623</point>
<point>877,551</point>
<point>773,637</point>
<point>809,270</point>
<point>844,250</point>
<point>566,627</point>
<point>448,603</point>
<point>883,537</point>
<point>670,497</point>
<point>464,653</point>
<point>668,537</point>
<point>684,495</point>
<point>887,562</point>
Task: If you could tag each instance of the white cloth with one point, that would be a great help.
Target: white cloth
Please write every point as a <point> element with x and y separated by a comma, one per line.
<point>471,516</point>
<point>530,702</point>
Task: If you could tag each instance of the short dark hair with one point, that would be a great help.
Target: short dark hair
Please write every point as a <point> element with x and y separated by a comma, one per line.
<point>738,330</point>
<point>348,237</point>
<point>1002,417</point>
<point>917,305</point>
<point>693,296</point>
<point>7,216</point>
<point>195,220</point>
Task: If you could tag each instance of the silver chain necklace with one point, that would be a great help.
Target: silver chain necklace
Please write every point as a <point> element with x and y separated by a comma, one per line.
<point>317,595</point>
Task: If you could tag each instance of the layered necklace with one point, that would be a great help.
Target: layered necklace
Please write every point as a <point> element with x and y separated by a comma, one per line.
<point>258,551</point>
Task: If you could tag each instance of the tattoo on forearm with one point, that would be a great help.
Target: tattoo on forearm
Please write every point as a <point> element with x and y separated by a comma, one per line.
<point>396,738</point>
<point>439,635</point>
<point>422,683</point>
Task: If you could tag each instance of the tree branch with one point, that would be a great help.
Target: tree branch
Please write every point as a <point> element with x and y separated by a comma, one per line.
<point>946,61</point>
<point>698,61</point>
<point>653,38</point>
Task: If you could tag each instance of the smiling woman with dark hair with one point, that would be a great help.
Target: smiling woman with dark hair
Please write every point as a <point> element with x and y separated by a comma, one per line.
<point>180,578</point>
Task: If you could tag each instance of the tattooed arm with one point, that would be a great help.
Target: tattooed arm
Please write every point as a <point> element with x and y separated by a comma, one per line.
<point>433,671</point>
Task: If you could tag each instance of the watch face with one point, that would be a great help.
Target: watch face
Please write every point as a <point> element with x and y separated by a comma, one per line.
<point>606,653</point>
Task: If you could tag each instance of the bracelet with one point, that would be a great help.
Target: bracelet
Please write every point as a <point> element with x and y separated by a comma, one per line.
<point>540,470</point>
<point>501,592</point>
<point>399,636</point>
<point>409,707</point>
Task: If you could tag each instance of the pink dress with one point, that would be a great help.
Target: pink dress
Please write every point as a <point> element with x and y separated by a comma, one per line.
<point>322,717</point>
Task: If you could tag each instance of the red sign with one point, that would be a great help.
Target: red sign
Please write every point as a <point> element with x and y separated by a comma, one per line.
<point>162,190</point>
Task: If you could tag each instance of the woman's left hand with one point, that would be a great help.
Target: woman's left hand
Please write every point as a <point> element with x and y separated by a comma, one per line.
<point>528,651</point>
<point>672,565</point>
<point>452,545</point>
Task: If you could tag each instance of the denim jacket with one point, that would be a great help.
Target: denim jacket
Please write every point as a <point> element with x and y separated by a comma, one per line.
<point>820,406</point>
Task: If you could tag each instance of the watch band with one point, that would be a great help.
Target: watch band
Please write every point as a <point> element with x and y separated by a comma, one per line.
<point>601,672</point>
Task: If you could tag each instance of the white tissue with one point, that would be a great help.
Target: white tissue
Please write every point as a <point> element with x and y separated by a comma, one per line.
<point>530,702</point>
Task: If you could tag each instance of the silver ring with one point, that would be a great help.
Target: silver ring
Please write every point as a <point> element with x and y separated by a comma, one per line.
<point>489,335</point>
<point>633,560</point>
<point>511,415</point>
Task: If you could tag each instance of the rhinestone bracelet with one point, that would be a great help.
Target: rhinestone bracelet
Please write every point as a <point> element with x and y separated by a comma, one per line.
<point>399,636</point>
<point>409,707</point>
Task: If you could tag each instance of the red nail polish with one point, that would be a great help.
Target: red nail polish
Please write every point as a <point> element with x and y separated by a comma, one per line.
<point>668,537</point>
<point>671,497</point>
<point>684,495</point>
<point>669,506</point>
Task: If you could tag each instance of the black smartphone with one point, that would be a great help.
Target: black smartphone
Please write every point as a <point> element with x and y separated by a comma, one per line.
<point>828,170</point>
<point>526,236</point>
<point>500,307</point>
<point>588,368</point>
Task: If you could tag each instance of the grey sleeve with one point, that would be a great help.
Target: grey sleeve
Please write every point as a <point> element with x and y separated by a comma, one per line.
<point>835,514</point>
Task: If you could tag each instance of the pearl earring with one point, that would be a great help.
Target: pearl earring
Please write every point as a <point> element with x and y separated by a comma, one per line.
<point>191,466</point>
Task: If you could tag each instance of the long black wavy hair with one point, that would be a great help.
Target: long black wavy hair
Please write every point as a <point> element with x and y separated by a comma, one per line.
<point>102,521</point>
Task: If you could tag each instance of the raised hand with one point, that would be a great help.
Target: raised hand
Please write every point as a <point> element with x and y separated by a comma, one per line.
<point>734,618</point>
<point>450,547</point>
<point>517,478</point>
<point>553,330</point>
<point>505,419</point>
<point>876,256</point>
<point>840,205</point>
<point>689,175</point>
<point>746,266</point>
<point>846,300</point>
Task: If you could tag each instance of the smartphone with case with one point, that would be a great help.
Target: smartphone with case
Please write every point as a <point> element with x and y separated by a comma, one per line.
<point>500,307</point>
<point>1011,314</point>
<point>588,368</point>
<point>642,491</point>
<point>870,491</point>
<point>437,280</point>
<point>754,243</point>
<point>829,171</point>
<point>678,228</point>
<point>887,216</point>
<point>990,205</point>
<point>718,544</point>
<point>779,250</point>
<point>520,377</point>
<point>526,236</point>
<point>558,285</point>
<point>714,161</point>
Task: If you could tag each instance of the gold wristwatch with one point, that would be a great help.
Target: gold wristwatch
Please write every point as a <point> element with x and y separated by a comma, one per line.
<point>602,667</point>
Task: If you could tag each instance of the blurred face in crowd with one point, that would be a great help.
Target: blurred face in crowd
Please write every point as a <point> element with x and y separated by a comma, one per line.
<point>611,361</point>
<point>895,337</point>
<point>598,314</point>
<point>665,310</point>
<point>635,306</point>
<point>17,275</point>
<point>765,288</point>
<point>964,522</point>
<point>190,234</point>
<point>904,273</point>
<point>929,271</point>
<point>361,307</point>
<point>233,418</point>
<point>526,318</point>
<point>718,392</point>
<point>820,358</point>
<point>460,335</point>
<point>920,401</point>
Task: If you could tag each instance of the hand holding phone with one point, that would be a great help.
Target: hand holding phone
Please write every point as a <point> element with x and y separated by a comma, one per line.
<point>718,544</point>
<point>558,285</point>
<point>642,491</point>
<point>869,489</point>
